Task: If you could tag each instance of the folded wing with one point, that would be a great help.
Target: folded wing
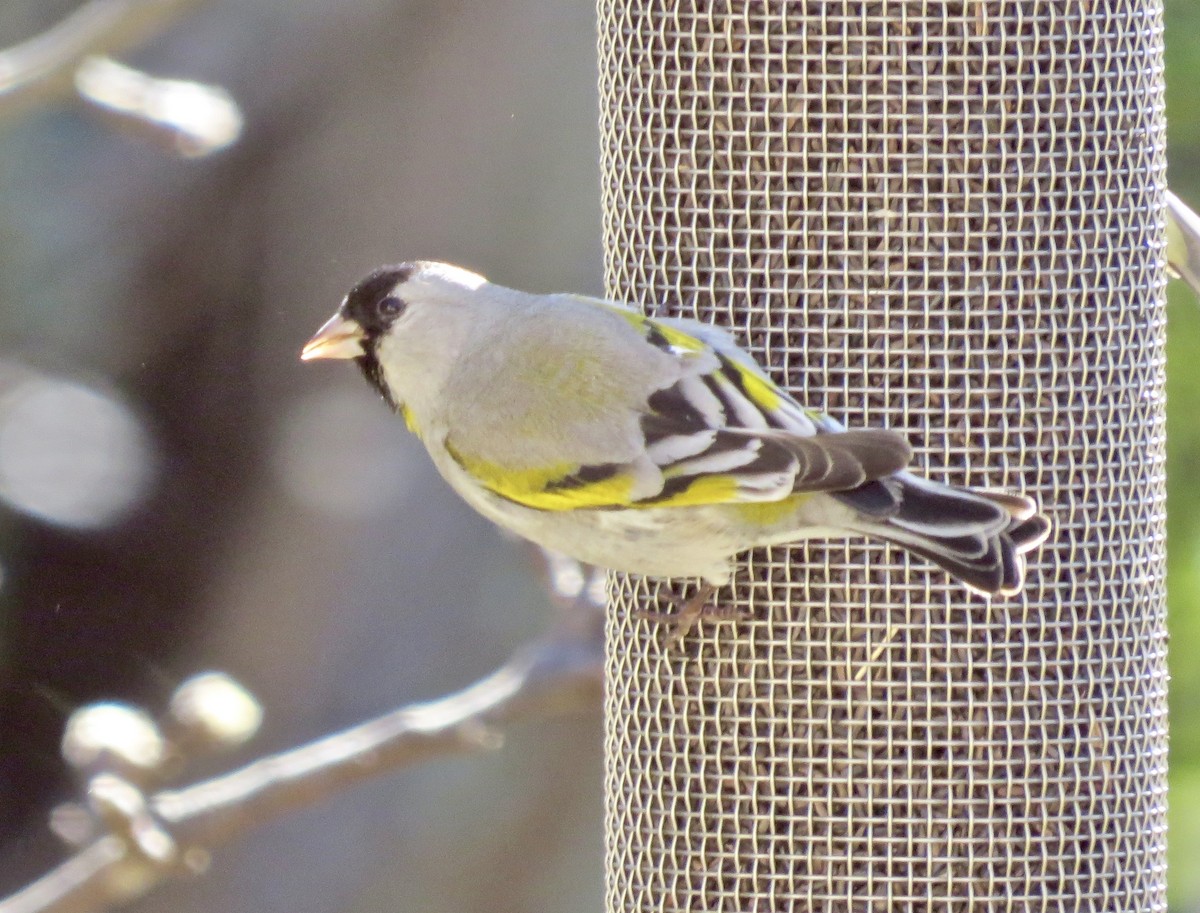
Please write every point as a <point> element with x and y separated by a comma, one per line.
<point>722,433</point>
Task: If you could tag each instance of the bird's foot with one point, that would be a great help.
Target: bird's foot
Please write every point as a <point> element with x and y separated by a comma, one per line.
<point>686,613</point>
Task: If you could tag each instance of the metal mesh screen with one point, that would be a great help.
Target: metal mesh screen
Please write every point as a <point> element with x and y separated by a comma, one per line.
<point>945,218</point>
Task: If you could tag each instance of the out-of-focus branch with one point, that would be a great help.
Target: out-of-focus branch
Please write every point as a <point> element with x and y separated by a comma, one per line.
<point>147,839</point>
<point>74,57</point>
<point>38,70</point>
<point>1183,242</point>
<point>555,676</point>
<point>188,118</point>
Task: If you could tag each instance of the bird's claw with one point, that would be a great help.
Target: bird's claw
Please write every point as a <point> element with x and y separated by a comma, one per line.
<point>685,614</point>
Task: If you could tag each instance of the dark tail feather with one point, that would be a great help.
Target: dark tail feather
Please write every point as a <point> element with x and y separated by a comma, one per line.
<point>978,536</point>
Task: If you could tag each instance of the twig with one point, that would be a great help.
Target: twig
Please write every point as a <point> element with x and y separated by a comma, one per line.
<point>43,67</point>
<point>555,676</point>
<point>188,118</point>
<point>1183,242</point>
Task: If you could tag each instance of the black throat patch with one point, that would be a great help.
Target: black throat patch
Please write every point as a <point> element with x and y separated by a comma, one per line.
<point>373,372</point>
<point>361,306</point>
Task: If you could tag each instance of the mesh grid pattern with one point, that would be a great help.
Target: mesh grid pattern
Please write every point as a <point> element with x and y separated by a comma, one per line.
<point>944,218</point>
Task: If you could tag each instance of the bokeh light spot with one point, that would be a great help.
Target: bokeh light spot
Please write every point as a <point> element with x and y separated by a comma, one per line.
<point>71,455</point>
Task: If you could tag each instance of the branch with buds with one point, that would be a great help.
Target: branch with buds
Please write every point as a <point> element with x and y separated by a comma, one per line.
<point>132,832</point>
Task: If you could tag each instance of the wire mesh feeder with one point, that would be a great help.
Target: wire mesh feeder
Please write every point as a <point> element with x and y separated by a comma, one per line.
<point>944,218</point>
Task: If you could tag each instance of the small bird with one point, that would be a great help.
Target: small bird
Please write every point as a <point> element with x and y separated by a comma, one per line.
<point>647,445</point>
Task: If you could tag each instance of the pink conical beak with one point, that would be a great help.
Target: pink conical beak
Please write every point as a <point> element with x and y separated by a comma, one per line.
<point>337,338</point>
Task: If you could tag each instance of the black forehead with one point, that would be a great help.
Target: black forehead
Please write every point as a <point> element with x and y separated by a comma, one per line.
<point>361,300</point>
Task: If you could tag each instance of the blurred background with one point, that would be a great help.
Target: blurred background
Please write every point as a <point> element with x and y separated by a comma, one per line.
<point>178,492</point>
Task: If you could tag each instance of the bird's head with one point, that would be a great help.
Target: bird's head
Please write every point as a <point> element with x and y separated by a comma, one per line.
<point>400,324</point>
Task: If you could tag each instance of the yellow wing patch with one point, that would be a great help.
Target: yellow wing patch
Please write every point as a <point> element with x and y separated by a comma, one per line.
<point>656,332</point>
<point>703,489</point>
<point>762,392</point>
<point>566,487</point>
<point>768,513</point>
<point>558,487</point>
<point>678,339</point>
<point>758,390</point>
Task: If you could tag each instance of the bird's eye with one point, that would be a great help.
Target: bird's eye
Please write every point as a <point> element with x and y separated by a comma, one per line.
<point>390,308</point>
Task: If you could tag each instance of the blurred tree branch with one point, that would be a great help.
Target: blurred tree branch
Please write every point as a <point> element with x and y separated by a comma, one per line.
<point>134,840</point>
<point>72,58</point>
<point>42,69</point>
<point>1183,242</point>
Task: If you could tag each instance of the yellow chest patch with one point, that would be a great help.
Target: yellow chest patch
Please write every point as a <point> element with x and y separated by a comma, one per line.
<point>409,421</point>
